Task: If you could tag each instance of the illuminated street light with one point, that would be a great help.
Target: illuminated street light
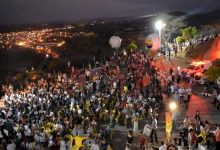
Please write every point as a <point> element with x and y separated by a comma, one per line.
<point>159,25</point>
<point>172,106</point>
<point>178,68</point>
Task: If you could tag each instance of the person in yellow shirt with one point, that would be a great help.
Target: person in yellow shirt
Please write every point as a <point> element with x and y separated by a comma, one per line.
<point>201,138</point>
<point>109,147</point>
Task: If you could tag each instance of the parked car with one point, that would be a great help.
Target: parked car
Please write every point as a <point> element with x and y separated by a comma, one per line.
<point>196,67</point>
<point>200,77</point>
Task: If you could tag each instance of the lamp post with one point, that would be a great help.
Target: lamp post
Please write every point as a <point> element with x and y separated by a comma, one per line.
<point>159,25</point>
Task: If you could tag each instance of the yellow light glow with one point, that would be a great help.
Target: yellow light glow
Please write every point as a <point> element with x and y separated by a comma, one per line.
<point>172,106</point>
<point>21,43</point>
<point>61,43</point>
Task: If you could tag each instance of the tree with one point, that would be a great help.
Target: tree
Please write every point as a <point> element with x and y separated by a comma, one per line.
<point>195,32</point>
<point>213,73</point>
<point>180,39</point>
<point>190,33</point>
<point>132,46</point>
<point>186,35</point>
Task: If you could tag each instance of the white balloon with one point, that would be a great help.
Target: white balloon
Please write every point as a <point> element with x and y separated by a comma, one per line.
<point>153,42</point>
<point>115,41</point>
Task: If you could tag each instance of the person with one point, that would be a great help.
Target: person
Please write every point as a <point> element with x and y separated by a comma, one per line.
<point>175,52</point>
<point>174,119</point>
<point>197,121</point>
<point>94,146</point>
<point>214,96</point>
<point>135,120</point>
<point>11,145</point>
<point>181,92</point>
<point>185,100</point>
<point>191,81</point>
<point>130,138</point>
<point>163,146</point>
<point>218,98</point>
<point>143,142</point>
<point>207,132</point>
<point>175,143</point>
<point>197,117</point>
<point>186,123</point>
<point>191,139</point>
<point>109,147</point>
<point>154,129</point>
<point>128,147</point>
<point>189,93</point>
<point>103,144</point>
<point>2,127</point>
<point>201,138</point>
<point>205,89</point>
<point>171,70</point>
<point>217,138</point>
<point>176,97</point>
<point>128,117</point>
<point>87,72</point>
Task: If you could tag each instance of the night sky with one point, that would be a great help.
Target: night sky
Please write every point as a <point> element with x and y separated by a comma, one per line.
<point>49,11</point>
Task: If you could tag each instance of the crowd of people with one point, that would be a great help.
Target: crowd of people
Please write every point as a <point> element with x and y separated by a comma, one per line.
<point>52,112</point>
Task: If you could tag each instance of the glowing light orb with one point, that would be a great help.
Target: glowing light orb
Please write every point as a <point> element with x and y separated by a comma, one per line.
<point>172,106</point>
<point>115,42</point>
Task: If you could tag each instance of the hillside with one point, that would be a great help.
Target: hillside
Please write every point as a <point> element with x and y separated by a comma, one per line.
<point>197,52</point>
<point>204,18</point>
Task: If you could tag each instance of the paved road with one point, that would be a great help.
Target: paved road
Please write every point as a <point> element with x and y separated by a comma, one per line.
<point>198,102</point>
<point>206,109</point>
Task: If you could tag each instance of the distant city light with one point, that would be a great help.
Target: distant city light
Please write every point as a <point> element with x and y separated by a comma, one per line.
<point>43,41</point>
<point>21,43</point>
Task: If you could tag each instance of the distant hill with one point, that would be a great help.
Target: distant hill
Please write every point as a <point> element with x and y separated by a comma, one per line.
<point>204,18</point>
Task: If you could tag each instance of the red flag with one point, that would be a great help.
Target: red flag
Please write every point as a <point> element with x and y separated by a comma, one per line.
<point>146,80</point>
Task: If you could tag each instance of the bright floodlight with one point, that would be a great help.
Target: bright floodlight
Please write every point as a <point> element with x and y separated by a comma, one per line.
<point>173,106</point>
<point>159,25</point>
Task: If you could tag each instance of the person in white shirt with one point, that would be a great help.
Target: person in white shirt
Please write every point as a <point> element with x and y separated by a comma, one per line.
<point>188,92</point>
<point>163,146</point>
<point>87,72</point>
<point>181,92</point>
<point>94,146</point>
<point>11,146</point>
<point>154,129</point>
<point>65,144</point>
